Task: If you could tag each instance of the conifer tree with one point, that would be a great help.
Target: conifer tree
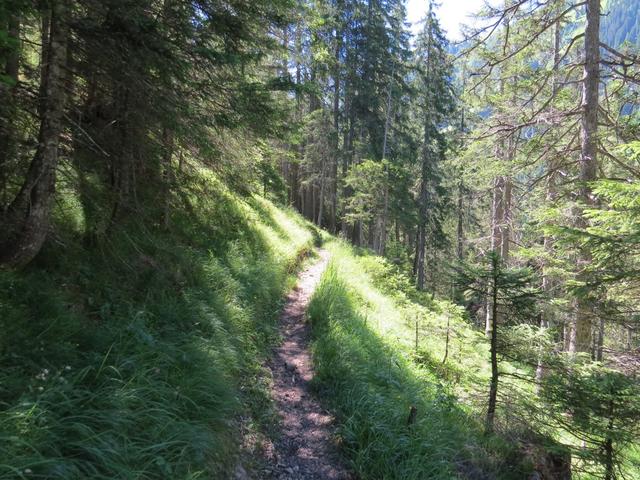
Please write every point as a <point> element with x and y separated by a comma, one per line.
<point>435,108</point>
<point>511,291</point>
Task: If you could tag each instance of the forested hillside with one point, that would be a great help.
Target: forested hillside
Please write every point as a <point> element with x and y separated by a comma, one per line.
<point>620,23</point>
<point>168,166</point>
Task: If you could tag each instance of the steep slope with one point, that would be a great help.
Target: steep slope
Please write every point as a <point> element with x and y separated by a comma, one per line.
<point>138,357</point>
<point>406,376</point>
<point>620,22</point>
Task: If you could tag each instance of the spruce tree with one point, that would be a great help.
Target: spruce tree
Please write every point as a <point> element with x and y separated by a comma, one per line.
<point>435,108</point>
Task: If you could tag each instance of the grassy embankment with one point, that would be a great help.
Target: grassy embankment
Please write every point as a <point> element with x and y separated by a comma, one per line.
<point>137,357</point>
<point>369,370</point>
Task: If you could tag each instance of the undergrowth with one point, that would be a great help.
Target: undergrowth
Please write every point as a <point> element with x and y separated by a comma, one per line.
<point>135,357</point>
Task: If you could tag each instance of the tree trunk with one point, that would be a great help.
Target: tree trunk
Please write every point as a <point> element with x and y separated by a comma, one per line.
<point>547,284</point>
<point>551,195</point>
<point>431,268</point>
<point>501,209</point>
<point>588,163</point>
<point>505,224</point>
<point>493,388</point>
<point>356,237</point>
<point>336,132</point>
<point>322,187</point>
<point>168,148</point>
<point>298,189</point>
<point>501,222</point>
<point>461,189</point>
<point>311,202</point>
<point>167,173</point>
<point>497,217</point>
<point>372,240</point>
<point>296,198</point>
<point>45,38</point>
<point>28,215</point>
<point>387,125</point>
<point>123,165</point>
<point>460,227</point>
<point>597,355</point>
<point>348,153</point>
<point>422,211</point>
<point>387,121</point>
<point>382,243</point>
<point>417,257</point>
<point>420,254</point>
<point>424,177</point>
<point>7,108</point>
<point>609,458</point>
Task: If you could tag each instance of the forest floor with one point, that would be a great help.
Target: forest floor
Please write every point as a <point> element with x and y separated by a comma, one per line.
<point>305,447</point>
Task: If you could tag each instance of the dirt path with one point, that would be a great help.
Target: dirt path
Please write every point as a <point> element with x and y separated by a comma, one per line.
<point>305,449</point>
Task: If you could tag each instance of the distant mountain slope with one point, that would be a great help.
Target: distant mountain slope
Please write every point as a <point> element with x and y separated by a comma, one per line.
<point>621,22</point>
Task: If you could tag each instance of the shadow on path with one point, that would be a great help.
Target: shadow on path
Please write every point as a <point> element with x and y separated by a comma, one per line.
<point>305,449</point>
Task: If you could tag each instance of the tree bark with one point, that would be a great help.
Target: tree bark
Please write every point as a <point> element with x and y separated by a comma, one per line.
<point>501,209</point>
<point>460,226</point>
<point>7,108</point>
<point>505,225</point>
<point>421,241</point>
<point>598,354</point>
<point>493,388</point>
<point>167,173</point>
<point>588,163</point>
<point>336,127</point>
<point>609,461</point>
<point>424,178</point>
<point>123,165</point>
<point>385,213</point>
<point>28,215</point>
<point>382,243</point>
<point>550,197</point>
<point>322,193</point>
<point>45,38</point>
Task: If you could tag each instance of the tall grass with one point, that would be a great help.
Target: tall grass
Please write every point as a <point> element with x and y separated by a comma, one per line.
<point>136,357</point>
<point>371,375</point>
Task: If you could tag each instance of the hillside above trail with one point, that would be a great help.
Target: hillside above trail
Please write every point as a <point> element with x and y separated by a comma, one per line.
<point>144,353</point>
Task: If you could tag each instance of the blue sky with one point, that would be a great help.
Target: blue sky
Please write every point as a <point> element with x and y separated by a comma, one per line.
<point>452,14</point>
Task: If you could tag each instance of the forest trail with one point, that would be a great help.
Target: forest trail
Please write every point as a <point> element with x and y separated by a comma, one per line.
<point>305,449</point>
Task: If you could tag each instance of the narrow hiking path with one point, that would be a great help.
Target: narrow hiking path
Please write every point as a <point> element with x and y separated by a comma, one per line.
<point>305,449</point>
